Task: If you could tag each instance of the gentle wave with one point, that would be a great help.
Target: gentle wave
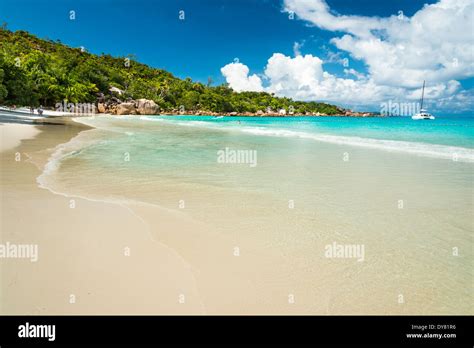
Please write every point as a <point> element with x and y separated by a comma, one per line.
<point>431,150</point>
<point>151,118</point>
<point>47,179</point>
<point>460,154</point>
<point>182,123</point>
<point>63,151</point>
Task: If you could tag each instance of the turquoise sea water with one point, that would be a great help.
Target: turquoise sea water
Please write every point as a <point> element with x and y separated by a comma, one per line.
<point>448,137</point>
<point>402,188</point>
<point>447,130</point>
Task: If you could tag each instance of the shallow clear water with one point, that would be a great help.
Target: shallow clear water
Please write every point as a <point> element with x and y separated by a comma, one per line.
<point>401,188</point>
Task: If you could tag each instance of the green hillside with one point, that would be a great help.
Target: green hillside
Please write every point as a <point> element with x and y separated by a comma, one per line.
<point>35,71</point>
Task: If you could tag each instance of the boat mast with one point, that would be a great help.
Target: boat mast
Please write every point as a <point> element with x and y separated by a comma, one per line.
<point>422,94</point>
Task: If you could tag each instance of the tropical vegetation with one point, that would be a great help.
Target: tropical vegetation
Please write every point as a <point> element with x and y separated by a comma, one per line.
<point>37,72</point>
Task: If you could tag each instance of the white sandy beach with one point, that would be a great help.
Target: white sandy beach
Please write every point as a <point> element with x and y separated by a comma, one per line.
<point>11,134</point>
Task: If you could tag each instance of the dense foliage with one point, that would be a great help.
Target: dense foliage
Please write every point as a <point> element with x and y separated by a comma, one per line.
<point>35,71</point>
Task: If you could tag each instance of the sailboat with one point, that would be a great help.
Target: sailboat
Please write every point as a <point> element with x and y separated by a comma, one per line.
<point>423,114</point>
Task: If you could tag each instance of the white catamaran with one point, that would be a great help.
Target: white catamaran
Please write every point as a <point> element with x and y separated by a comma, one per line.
<point>423,114</point>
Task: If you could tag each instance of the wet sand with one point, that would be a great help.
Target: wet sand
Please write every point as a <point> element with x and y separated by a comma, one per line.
<point>11,134</point>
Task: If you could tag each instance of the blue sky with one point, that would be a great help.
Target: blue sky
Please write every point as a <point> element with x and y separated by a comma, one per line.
<point>213,34</point>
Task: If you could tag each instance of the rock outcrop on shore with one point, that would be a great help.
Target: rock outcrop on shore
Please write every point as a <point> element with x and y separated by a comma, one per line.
<point>131,107</point>
<point>146,107</point>
<point>125,109</point>
<point>101,108</point>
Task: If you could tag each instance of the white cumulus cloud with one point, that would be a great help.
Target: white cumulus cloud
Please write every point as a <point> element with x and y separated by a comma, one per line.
<point>303,78</point>
<point>435,44</point>
<point>237,76</point>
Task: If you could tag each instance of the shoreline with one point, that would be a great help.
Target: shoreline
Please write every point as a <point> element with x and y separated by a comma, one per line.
<point>246,114</point>
<point>50,113</point>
